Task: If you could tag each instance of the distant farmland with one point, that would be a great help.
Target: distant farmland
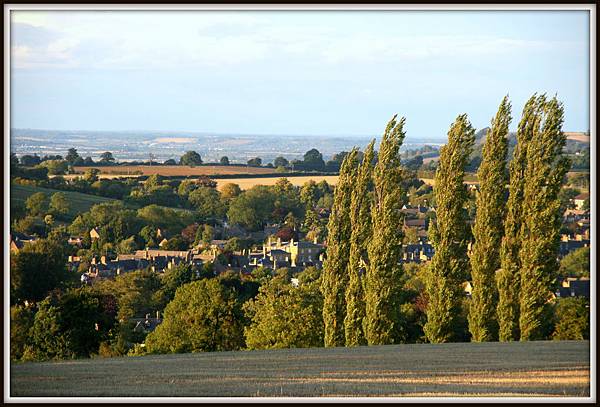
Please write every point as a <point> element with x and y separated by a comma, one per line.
<point>79,202</point>
<point>176,170</point>
<point>246,183</point>
<point>578,136</point>
<point>517,369</point>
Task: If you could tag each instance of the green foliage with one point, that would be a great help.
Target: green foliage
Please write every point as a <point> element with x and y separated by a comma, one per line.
<point>252,208</point>
<point>73,157</point>
<point>37,204</point>
<point>335,267</point>
<point>107,157</point>
<point>113,221</point>
<point>36,269</point>
<point>127,246</point>
<point>508,278</point>
<point>576,263</point>
<point>204,316</point>
<point>70,325</point>
<point>224,160</point>
<point>55,167</point>
<point>284,316</point>
<point>59,205</point>
<point>21,321</point>
<point>489,228</point>
<point>91,175</point>
<point>148,233</point>
<point>255,162</point>
<point>281,162</point>
<point>572,319</point>
<point>175,243</point>
<point>190,158</point>
<point>175,278</point>
<point>382,322</point>
<point>137,293</point>
<point>360,220</point>
<point>313,160</point>
<point>30,225</point>
<point>165,218</point>
<point>449,234</point>
<point>546,168</point>
<point>207,202</point>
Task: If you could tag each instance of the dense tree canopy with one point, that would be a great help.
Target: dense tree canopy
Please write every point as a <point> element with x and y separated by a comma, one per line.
<point>204,316</point>
<point>284,316</point>
<point>37,269</point>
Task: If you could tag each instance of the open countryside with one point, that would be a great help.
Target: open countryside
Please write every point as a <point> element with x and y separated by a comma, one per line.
<point>80,202</point>
<point>337,219</point>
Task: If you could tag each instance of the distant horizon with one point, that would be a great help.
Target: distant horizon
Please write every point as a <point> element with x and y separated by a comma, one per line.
<point>236,134</point>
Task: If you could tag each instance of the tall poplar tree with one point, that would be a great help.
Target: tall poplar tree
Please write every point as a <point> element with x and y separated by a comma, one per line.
<point>335,266</point>
<point>489,228</point>
<point>449,265</point>
<point>382,283</point>
<point>540,232</point>
<point>508,279</point>
<point>360,219</point>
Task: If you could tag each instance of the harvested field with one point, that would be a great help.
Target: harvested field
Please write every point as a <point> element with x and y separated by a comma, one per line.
<point>521,369</point>
<point>176,170</point>
<point>246,183</point>
<point>577,136</point>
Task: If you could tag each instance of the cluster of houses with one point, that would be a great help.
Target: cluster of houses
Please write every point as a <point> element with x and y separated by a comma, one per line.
<point>156,260</point>
<point>299,254</point>
<point>577,222</point>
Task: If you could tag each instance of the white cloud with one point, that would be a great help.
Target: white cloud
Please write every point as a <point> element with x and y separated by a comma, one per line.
<point>168,40</point>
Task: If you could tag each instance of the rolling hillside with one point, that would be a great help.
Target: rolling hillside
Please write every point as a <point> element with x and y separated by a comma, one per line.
<point>79,202</point>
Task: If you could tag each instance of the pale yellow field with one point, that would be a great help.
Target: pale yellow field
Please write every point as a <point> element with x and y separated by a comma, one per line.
<point>246,183</point>
<point>578,136</point>
<point>431,181</point>
<point>176,170</point>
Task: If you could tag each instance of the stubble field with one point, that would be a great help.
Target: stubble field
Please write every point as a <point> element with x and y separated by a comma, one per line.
<point>518,369</point>
<point>176,170</point>
<point>246,183</point>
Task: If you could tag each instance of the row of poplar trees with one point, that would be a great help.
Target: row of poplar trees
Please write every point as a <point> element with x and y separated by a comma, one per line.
<point>512,261</point>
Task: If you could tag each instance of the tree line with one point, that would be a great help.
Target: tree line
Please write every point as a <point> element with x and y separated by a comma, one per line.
<point>511,258</point>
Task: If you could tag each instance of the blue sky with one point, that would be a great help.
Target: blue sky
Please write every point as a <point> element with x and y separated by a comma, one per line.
<point>292,72</point>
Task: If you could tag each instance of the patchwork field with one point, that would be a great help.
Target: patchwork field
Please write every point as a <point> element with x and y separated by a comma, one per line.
<point>520,369</point>
<point>176,170</point>
<point>79,202</point>
<point>246,183</point>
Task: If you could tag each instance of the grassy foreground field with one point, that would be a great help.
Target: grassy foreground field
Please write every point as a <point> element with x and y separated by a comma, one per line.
<point>519,369</point>
<point>79,202</point>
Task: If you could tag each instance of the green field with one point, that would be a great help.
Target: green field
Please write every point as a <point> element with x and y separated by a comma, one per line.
<point>519,369</point>
<point>79,202</point>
